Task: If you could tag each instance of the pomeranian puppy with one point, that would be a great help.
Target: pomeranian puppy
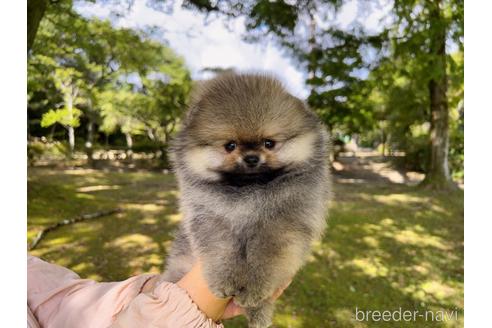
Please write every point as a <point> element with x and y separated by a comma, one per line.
<point>252,166</point>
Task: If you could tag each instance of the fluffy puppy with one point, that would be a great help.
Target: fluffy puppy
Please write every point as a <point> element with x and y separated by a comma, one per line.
<point>251,162</point>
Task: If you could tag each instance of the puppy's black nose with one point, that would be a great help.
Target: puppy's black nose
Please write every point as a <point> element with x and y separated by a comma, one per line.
<point>251,160</point>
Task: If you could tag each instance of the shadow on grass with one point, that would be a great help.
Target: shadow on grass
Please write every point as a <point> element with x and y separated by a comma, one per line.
<point>387,246</point>
<point>109,248</point>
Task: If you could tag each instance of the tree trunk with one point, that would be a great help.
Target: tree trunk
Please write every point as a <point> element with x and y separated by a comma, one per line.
<point>129,144</point>
<point>383,141</point>
<point>35,12</point>
<point>437,175</point>
<point>52,132</point>
<point>28,129</point>
<point>150,134</point>
<point>89,142</point>
<point>71,139</point>
<point>71,131</point>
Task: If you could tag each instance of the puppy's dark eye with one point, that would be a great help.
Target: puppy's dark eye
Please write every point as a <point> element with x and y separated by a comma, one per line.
<point>269,143</point>
<point>230,146</point>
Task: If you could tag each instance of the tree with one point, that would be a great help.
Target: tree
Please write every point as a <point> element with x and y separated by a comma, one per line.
<point>117,110</point>
<point>334,57</point>
<point>35,12</point>
<point>150,102</point>
<point>128,82</point>
<point>439,22</point>
<point>68,82</point>
<point>331,57</point>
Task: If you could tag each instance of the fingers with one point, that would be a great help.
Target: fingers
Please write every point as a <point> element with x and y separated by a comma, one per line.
<point>232,310</point>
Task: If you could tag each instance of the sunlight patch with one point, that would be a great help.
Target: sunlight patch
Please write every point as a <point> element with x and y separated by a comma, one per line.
<point>84,266</point>
<point>387,222</point>
<point>371,228</point>
<point>148,220</point>
<point>371,241</point>
<point>325,252</point>
<point>437,289</point>
<point>132,241</point>
<point>421,269</point>
<point>95,276</point>
<point>396,199</point>
<point>429,291</point>
<point>80,171</point>
<point>174,218</point>
<point>371,267</point>
<point>85,196</point>
<point>148,207</point>
<point>288,320</point>
<point>58,241</point>
<point>419,239</point>
<point>138,263</point>
<point>87,227</point>
<point>98,188</point>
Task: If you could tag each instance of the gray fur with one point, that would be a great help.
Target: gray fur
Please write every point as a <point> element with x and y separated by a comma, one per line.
<point>251,238</point>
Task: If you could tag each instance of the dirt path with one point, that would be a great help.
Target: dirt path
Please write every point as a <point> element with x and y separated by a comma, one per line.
<point>370,166</point>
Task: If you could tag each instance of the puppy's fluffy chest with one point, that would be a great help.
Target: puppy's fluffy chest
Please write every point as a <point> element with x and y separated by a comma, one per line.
<point>237,209</point>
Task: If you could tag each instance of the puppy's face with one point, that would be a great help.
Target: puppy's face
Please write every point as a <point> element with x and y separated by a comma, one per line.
<point>251,134</point>
<point>258,158</point>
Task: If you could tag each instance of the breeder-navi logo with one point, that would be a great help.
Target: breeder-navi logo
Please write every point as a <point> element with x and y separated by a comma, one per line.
<point>404,315</point>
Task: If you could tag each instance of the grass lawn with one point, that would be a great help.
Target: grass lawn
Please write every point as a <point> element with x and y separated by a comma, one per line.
<point>387,246</point>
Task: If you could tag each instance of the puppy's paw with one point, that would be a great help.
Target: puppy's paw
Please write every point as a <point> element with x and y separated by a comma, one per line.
<point>224,283</point>
<point>260,317</point>
<point>251,296</point>
<point>256,291</point>
<point>226,288</point>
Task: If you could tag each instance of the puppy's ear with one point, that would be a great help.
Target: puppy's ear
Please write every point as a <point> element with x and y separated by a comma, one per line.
<point>196,95</point>
<point>302,104</point>
<point>221,81</point>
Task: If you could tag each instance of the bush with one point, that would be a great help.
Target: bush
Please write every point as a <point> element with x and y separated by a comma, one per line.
<point>34,152</point>
<point>41,149</point>
<point>416,152</point>
<point>146,146</point>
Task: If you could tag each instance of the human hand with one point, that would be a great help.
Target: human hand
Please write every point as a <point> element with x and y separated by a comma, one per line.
<point>233,310</point>
<point>215,308</point>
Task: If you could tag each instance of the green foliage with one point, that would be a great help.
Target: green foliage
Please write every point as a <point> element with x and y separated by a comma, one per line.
<point>401,60</point>
<point>457,114</point>
<point>278,15</point>
<point>371,83</point>
<point>400,97</point>
<point>113,80</point>
<point>40,149</point>
<point>145,145</point>
<point>63,116</point>
<point>34,152</point>
<point>457,142</point>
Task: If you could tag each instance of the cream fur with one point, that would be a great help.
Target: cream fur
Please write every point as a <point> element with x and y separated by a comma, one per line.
<point>298,149</point>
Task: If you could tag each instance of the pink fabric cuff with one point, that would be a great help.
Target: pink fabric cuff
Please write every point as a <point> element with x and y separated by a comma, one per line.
<point>59,298</point>
<point>167,306</point>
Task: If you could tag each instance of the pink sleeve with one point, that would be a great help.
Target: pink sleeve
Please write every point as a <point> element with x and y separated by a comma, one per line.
<point>59,298</point>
